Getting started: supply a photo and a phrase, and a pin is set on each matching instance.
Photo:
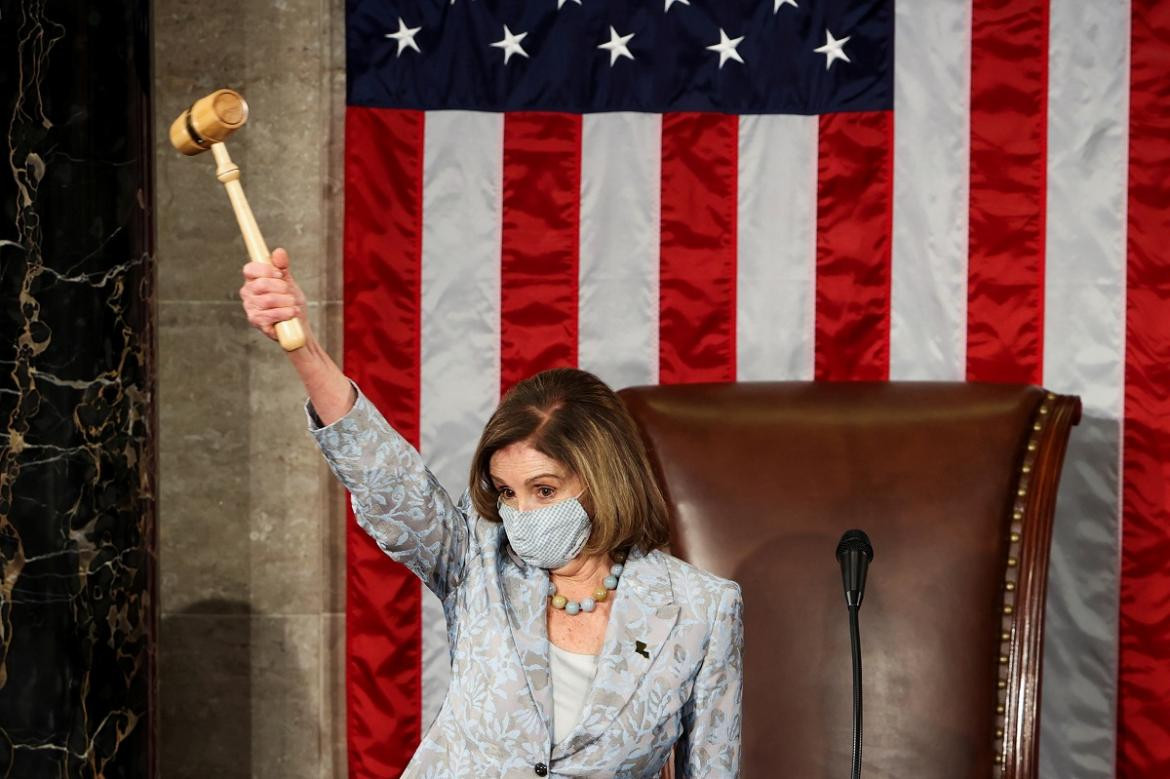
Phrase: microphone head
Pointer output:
(855, 541)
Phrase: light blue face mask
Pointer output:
(547, 537)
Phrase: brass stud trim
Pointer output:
(1011, 585)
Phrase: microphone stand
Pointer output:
(855, 645)
(854, 553)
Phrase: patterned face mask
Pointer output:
(547, 537)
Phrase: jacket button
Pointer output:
(541, 769)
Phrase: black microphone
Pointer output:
(854, 553)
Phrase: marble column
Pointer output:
(77, 464)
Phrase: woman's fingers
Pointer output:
(257, 288)
(261, 291)
(268, 300)
(268, 285)
(273, 316)
(263, 301)
(262, 270)
(280, 259)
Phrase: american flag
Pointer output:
(735, 190)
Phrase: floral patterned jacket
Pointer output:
(670, 669)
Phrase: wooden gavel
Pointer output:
(206, 125)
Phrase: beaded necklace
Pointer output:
(572, 607)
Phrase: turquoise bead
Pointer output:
(616, 569)
(610, 582)
(587, 605)
(572, 607)
(552, 589)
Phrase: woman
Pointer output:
(579, 648)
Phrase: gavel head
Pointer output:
(210, 120)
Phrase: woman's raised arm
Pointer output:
(395, 498)
(270, 294)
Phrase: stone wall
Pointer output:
(251, 523)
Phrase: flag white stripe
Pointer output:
(460, 372)
(932, 85)
(1084, 354)
(776, 270)
(618, 290)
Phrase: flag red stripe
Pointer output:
(539, 244)
(1008, 190)
(697, 273)
(1143, 748)
(383, 232)
(854, 221)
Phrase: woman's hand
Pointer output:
(270, 295)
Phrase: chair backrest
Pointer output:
(955, 485)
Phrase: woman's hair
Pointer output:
(572, 417)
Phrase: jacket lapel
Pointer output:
(525, 598)
(644, 612)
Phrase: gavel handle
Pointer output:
(290, 333)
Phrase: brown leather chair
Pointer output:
(955, 485)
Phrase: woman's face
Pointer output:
(527, 479)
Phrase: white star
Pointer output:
(775, 8)
(405, 37)
(726, 48)
(511, 44)
(833, 49)
(561, 3)
(617, 47)
(669, 3)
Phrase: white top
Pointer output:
(572, 673)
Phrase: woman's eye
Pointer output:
(505, 493)
(545, 492)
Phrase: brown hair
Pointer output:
(574, 418)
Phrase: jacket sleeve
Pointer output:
(395, 498)
(709, 746)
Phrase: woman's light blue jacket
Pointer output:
(670, 669)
